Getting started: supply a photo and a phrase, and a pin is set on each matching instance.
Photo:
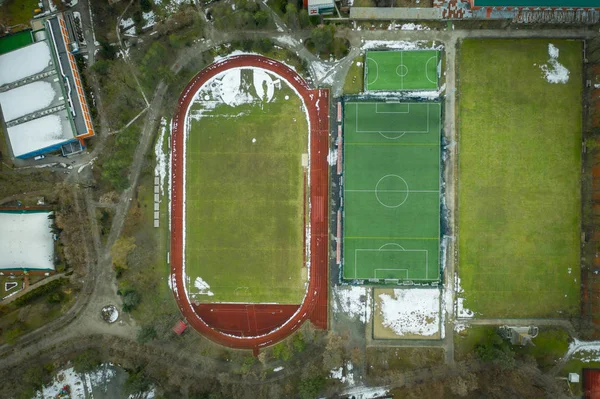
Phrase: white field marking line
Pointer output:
(389, 112)
(377, 71)
(402, 132)
(407, 191)
(391, 250)
(392, 243)
(392, 191)
(402, 75)
(427, 69)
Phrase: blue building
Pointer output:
(42, 101)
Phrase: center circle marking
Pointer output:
(402, 70)
(394, 185)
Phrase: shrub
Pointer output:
(130, 299)
(146, 334)
(51, 287)
(282, 352)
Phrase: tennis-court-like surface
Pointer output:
(391, 191)
(401, 70)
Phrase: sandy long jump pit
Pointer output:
(249, 233)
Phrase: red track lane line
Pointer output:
(317, 104)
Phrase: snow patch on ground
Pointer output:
(337, 374)
(553, 71)
(363, 392)
(319, 70)
(125, 22)
(161, 158)
(230, 89)
(353, 301)
(260, 78)
(401, 45)
(411, 26)
(585, 351)
(407, 95)
(461, 311)
(170, 5)
(202, 286)
(344, 374)
(412, 311)
(129, 24)
(287, 41)
(78, 383)
(149, 19)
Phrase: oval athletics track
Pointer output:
(314, 305)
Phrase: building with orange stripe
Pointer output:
(42, 98)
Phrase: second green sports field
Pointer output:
(391, 191)
(520, 178)
(401, 70)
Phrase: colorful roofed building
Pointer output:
(42, 100)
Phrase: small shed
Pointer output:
(179, 327)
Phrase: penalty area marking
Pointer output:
(427, 69)
(381, 132)
(376, 71)
(380, 250)
(377, 111)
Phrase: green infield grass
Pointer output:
(245, 196)
(391, 191)
(519, 178)
(402, 70)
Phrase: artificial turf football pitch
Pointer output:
(401, 70)
(245, 198)
(391, 191)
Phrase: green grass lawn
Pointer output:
(148, 271)
(551, 344)
(16, 12)
(245, 195)
(355, 78)
(519, 181)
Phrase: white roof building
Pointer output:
(26, 241)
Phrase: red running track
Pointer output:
(262, 330)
